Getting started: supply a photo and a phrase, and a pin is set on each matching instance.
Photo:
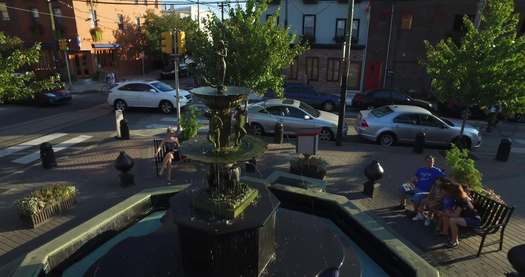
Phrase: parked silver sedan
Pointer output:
(296, 116)
(400, 123)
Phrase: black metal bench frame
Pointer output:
(494, 217)
(157, 159)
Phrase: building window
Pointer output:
(120, 22)
(355, 30)
(145, 2)
(312, 68)
(293, 70)
(406, 22)
(35, 13)
(333, 69)
(3, 12)
(136, 2)
(309, 26)
(355, 75)
(340, 28)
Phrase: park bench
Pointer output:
(494, 218)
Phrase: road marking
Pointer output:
(59, 147)
(29, 144)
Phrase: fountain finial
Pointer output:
(222, 53)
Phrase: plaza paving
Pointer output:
(91, 169)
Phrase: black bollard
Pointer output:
(124, 163)
(279, 133)
(47, 155)
(373, 172)
(124, 129)
(419, 143)
(504, 148)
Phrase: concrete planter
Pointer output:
(36, 219)
(311, 171)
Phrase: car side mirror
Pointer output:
(307, 117)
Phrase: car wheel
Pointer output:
(166, 107)
(520, 117)
(120, 105)
(257, 129)
(328, 106)
(387, 139)
(326, 135)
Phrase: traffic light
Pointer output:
(181, 43)
(166, 42)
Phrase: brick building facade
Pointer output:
(89, 27)
(413, 22)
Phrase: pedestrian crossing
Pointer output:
(25, 154)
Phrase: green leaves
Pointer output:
(486, 67)
(17, 79)
(463, 168)
(258, 51)
(190, 124)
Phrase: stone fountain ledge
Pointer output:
(386, 249)
(113, 220)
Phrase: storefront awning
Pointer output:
(105, 45)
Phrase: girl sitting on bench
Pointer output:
(171, 142)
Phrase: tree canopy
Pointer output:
(257, 51)
(487, 66)
(154, 25)
(17, 77)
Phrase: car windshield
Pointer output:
(309, 109)
(381, 111)
(162, 86)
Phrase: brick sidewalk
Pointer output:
(97, 180)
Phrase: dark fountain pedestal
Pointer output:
(213, 246)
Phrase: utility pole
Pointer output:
(346, 75)
(52, 16)
(481, 7)
(176, 63)
(198, 14)
(286, 14)
(388, 44)
(221, 5)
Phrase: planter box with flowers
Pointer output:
(313, 167)
(45, 202)
(464, 171)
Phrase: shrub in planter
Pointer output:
(314, 167)
(45, 202)
(189, 124)
(463, 168)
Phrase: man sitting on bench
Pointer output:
(420, 185)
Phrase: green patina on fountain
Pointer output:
(226, 144)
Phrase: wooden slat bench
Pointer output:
(494, 218)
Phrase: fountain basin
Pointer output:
(199, 149)
(394, 258)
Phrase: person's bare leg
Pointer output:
(167, 159)
(445, 224)
(454, 222)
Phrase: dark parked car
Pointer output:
(309, 95)
(53, 97)
(382, 97)
(455, 110)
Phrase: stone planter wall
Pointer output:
(35, 220)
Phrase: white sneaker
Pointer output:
(427, 222)
(419, 216)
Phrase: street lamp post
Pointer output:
(346, 75)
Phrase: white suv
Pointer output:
(147, 94)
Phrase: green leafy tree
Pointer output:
(154, 25)
(257, 51)
(486, 67)
(17, 78)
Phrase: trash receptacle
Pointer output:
(419, 143)
(279, 133)
(504, 148)
(47, 155)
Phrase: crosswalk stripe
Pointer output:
(59, 147)
(29, 144)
